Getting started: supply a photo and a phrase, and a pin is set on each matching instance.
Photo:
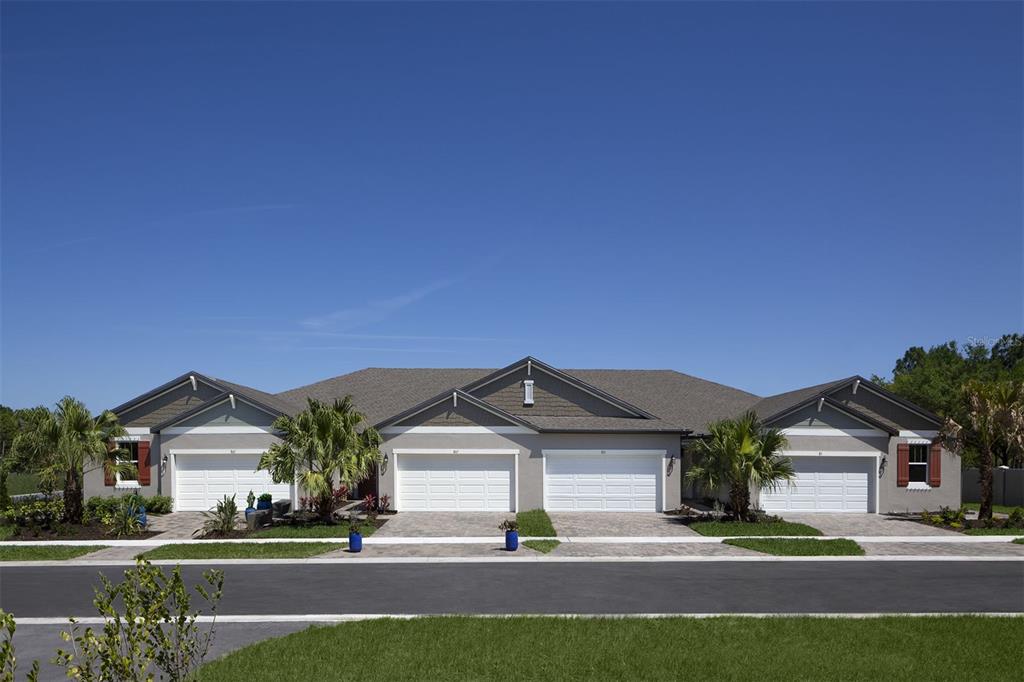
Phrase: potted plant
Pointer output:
(250, 503)
(265, 501)
(355, 538)
(137, 502)
(511, 528)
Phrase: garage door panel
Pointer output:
(602, 482)
(201, 480)
(463, 482)
(832, 484)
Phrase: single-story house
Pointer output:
(530, 435)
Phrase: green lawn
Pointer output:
(6, 532)
(994, 531)
(21, 484)
(542, 546)
(1019, 541)
(466, 648)
(998, 508)
(728, 528)
(799, 547)
(44, 552)
(242, 550)
(339, 530)
(535, 524)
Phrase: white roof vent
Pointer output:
(528, 392)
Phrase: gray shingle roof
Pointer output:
(592, 424)
(681, 402)
(772, 405)
(276, 402)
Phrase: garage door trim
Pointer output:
(510, 452)
(660, 454)
(876, 455)
(174, 452)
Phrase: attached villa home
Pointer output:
(530, 436)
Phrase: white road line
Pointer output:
(353, 617)
(524, 559)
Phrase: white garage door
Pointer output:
(602, 482)
(201, 481)
(463, 482)
(825, 484)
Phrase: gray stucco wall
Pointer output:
(904, 500)
(530, 446)
(94, 486)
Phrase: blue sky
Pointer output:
(765, 195)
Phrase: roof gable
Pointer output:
(560, 393)
(172, 398)
(193, 417)
(450, 408)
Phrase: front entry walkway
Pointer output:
(615, 524)
(845, 525)
(443, 524)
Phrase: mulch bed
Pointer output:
(89, 531)
(245, 533)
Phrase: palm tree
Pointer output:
(994, 419)
(320, 444)
(743, 455)
(67, 440)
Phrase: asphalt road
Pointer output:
(561, 588)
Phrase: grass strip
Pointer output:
(46, 552)
(798, 547)
(734, 528)
(542, 546)
(338, 530)
(994, 531)
(242, 550)
(484, 649)
(997, 508)
(535, 523)
(1019, 541)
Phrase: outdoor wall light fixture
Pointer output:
(384, 464)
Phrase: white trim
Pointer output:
(455, 451)
(181, 430)
(137, 430)
(127, 485)
(919, 434)
(389, 430)
(515, 473)
(129, 439)
(918, 485)
(217, 451)
(605, 452)
(811, 431)
(830, 453)
(878, 481)
(664, 482)
(918, 441)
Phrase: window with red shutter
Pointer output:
(902, 464)
(935, 465)
(143, 463)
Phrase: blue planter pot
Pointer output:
(264, 504)
(249, 511)
(141, 516)
(355, 542)
(511, 540)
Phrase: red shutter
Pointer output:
(108, 476)
(143, 462)
(902, 464)
(935, 465)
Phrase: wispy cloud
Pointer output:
(373, 311)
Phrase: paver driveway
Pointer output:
(615, 524)
(864, 524)
(444, 524)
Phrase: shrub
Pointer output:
(125, 518)
(325, 506)
(266, 497)
(948, 516)
(102, 509)
(8, 661)
(384, 503)
(1016, 518)
(37, 514)
(159, 504)
(509, 524)
(148, 622)
(221, 519)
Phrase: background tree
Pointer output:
(743, 455)
(933, 378)
(320, 445)
(65, 442)
(994, 421)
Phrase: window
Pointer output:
(130, 455)
(919, 464)
(528, 392)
